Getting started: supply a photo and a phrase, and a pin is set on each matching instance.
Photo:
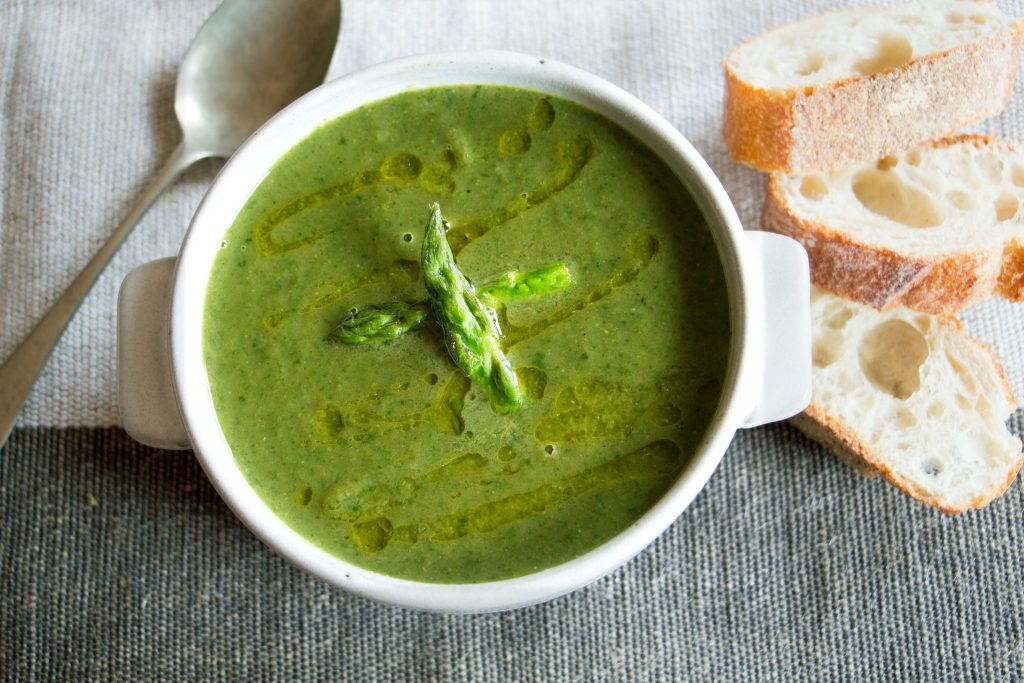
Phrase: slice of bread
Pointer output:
(913, 397)
(858, 84)
(935, 228)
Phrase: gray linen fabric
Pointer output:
(119, 562)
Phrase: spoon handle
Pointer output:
(20, 371)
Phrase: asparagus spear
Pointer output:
(378, 324)
(381, 323)
(522, 285)
(470, 329)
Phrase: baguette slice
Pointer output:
(913, 397)
(858, 84)
(933, 229)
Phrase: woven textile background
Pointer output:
(119, 562)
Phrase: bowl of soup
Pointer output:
(382, 465)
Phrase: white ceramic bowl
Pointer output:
(768, 377)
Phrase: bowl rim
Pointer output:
(250, 164)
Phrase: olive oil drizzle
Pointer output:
(573, 153)
(444, 413)
(400, 272)
(399, 167)
(348, 504)
(658, 460)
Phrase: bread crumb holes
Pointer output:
(838, 318)
(891, 355)
(931, 466)
(885, 163)
(906, 419)
(811, 65)
(962, 373)
(825, 350)
(883, 193)
(961, 200)
(1017, 175)
(1006, 207)
(891, 51)
(813, 187)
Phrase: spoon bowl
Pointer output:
(266, 53)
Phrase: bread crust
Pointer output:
(883, 278)
(824, 127)
(758, 124)
(1011, 273)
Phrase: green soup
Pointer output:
(386, 455)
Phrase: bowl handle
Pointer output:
(145, 384)
(786, 328)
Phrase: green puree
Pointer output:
(385, 454)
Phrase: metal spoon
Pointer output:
(249, 60)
